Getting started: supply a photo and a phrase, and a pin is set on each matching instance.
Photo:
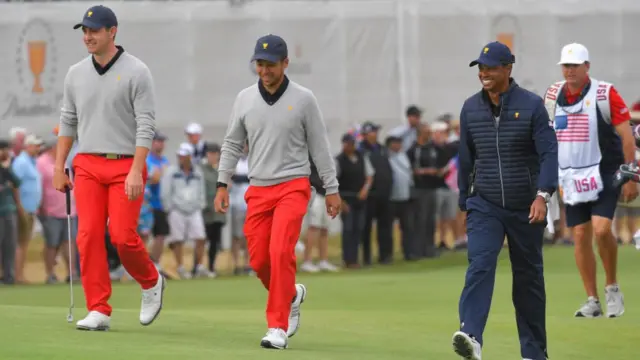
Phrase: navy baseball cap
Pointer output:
(212, 147)
(413, 110)
(98, 17)
(270, 48)
(159, 136)
(494, 54)
(368, 127)
(393, 138)
(348, 138)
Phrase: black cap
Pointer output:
(4, 144)
(348, 138)
(159, 136)
(211, 147)
(447, 117)
(270, 48)
(368, 127)
(494, 54)
(392, 138)
(414, 110)
(98, 17)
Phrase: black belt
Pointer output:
(113, 156)
(240, 179)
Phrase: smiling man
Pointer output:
(594, 138)
(109, 107)
(508, 171)
(282, 123)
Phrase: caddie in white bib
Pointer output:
(587, 115)
(576, 128)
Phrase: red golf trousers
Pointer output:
(100, 194)
(272, 228)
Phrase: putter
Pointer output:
(71, 261)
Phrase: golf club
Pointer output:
(71, 242)
(626, 173)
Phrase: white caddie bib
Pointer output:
(579, 154)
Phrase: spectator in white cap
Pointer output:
(16, 138)
(446, 198)
(24, 167)
(198, 146)
(183, 195)
(238, 205)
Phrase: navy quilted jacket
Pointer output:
(506, 161)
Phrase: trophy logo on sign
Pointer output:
(506, 38)
(34, 95)
(37, 52)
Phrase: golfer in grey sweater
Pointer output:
(109, 107)
(283, 125)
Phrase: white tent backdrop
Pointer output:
(364, 60)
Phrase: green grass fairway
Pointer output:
(406, 311)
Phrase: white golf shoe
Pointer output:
(275, 339)
(466, 346)
(615, 301)
(590, 309)
(294, 315)
(152, 302)
(94, 321)
(309, 267)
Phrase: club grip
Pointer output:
(68, 193)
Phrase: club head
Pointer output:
(626, 173)
(620, 179)
(69, 318)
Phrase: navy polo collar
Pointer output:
(273, 98)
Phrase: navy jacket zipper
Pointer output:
(496, 122)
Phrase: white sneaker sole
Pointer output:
(463, 347)
(99, 328)
(593, 315)
(612, 315)
(164, 285)
(304, 296)
(615, 315)
(269, 345)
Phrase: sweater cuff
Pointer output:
(331, 190)
(67, 130)
(224, 177)
(142, 142)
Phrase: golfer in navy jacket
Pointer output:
(508, 171)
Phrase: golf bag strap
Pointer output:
(603, 100)
(551, 99)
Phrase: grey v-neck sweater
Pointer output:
(109, 113)
(281, 137)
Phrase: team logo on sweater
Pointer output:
(35, 92)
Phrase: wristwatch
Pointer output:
(220, 185)
(545, 195)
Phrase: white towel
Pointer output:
(553, 213)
